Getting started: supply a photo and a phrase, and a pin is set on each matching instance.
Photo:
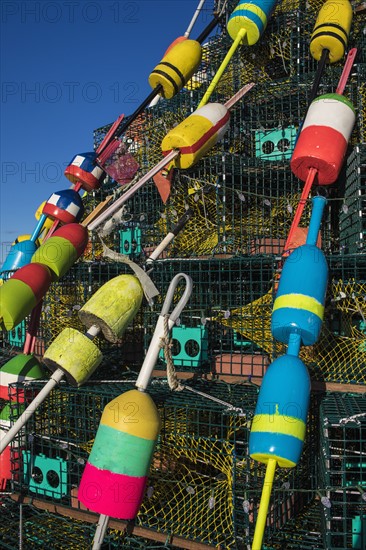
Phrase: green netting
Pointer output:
(202, 484)
(343, 470)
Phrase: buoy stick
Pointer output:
(236, 97)
(128, 121)
(32, 329)
(300, 207)
(156, 91)
(319, 73)
(222, 67)
(210, 27)
(346, 71)
(264, 503)
(194, 18)
(100, 531)
(150, 362)
(26, 415)
(109, 211)
(38, 229)
(38, 400)
(170, 236)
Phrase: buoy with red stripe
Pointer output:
(27, 286)
(197, 134)
(323, 140)
(9, 458)
(61, 251)
(65, 206)
(85, 172)
(22, 292)
(19, 369)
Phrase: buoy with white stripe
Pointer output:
(197, 134)
(19, 369)
(65, 206)
(322, 143)
(190, 140)
(83, 171)
(9, 459)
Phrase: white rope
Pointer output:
(353, 418)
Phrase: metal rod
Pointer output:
(109, 211)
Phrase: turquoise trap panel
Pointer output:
(45, 476)
(130, 241)
(189, 346)
(275, 144)
(359, 532)
(17, 335)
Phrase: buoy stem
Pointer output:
(315, 219)
(236, 97)
(38, 228)
(170, 236)
(319, 73)
(92, 332)
(300, 208)
(30, 339)
(207, 31)
(128, 121)
(100, 531)
(27, 414)
(264, 503)
(221, 69)
(109, 211)
(294, 344)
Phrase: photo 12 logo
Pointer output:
(71, 12)
(69, 92)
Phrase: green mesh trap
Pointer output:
(202, 485)
(203, 488)
(353, 211)
(343, 471)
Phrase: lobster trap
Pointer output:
(353, 211)
(343, 471)
(202, 485)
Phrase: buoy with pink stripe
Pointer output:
(21, 368)
(197, 134)
(324, 137)
(115, 476)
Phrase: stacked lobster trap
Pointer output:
(238, 203)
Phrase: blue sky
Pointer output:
(68, 67)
